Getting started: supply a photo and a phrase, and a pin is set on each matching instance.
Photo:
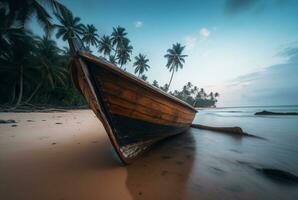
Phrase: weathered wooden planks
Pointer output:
(124, 97)
(134, 114)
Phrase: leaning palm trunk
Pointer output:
(34, 92)
(20, 87)
(170, 80)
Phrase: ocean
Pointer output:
(245, 167)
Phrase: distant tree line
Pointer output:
(192, 95)
(34, 70)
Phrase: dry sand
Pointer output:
(68, 155)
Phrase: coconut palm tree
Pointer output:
(69, 26)
(165, 87)
(175, 59)
(66, 53)
(155, 83)
(194, 90)
(15, 63)
(112, 59)
(47, 60)
(25, 9)
(203, 94)
(144, 77)
(140, 64)
(211, 96)
(123, 49)
(123, 53)
(90, 35)
(118, 37)
(105, 45)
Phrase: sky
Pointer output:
(247, 50)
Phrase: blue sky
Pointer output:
(226, 42)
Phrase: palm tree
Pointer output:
(141, 64)
(15, 63)
(175, 59)
(90, 36)
(165, 87)
(47, 64)
(121, 43)
(118, 37)
(25, 9)
(211, 95)
(194, 90)
(123, 53)
(144, 77)
(105, 45)
(202, 93)
(69, 26)
(112, 59)
(189, 85)
(155, 83)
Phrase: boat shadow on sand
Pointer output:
(162, 172)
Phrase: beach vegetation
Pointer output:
(34, 68)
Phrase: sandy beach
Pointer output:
(67, 155)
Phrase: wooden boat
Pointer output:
(135, 114)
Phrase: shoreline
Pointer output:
(67, 155)
(41, 108)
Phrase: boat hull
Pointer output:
(135, 114)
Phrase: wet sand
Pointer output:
(68, 156)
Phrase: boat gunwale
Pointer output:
(113, 68)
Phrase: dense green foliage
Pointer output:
(192, 95)
(34, 70)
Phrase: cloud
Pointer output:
(190, 42)
(138, 24)
(205, 32)
(275, 85)
(236, 6)
(291, 53)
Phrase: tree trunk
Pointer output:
(170, 80)
(194, 104)
(34, 92)
(21, 86)
(13, 95)
(115, 54)
(196, 99)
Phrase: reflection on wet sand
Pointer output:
(163, 172)
(40, 159)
